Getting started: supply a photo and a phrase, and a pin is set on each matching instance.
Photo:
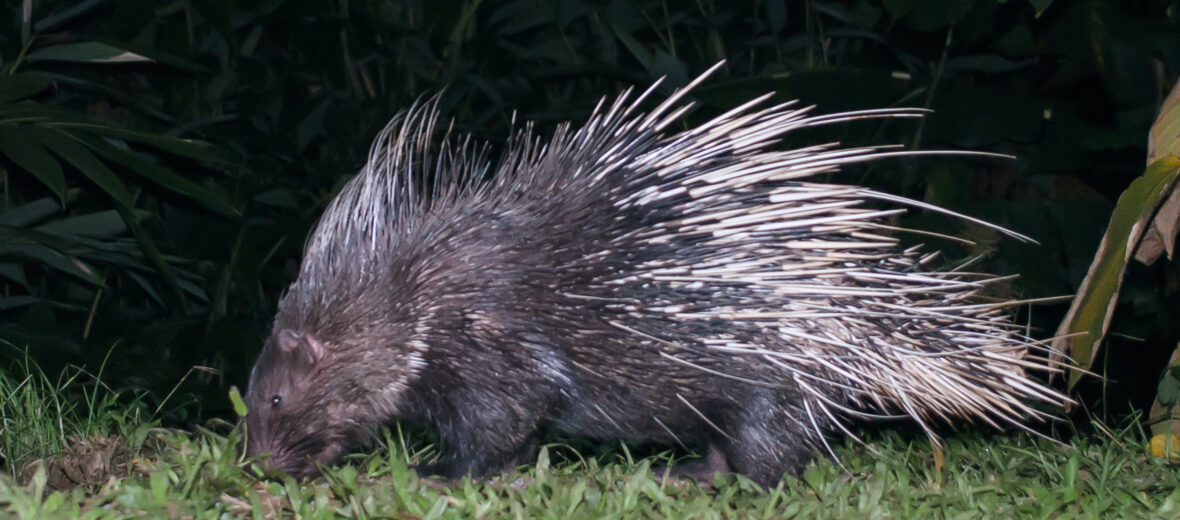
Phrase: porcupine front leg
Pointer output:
(482, 436)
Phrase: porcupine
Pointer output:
(621, 281)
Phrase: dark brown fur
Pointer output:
(591, 289)
(508, 360)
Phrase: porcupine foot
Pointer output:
(699, 470)
(761, 441)
(766, 442)
(766, 472)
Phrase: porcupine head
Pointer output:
(624, 281)
(341, 350)
(317, 391)
(381, 273)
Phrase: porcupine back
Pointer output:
(673, 260)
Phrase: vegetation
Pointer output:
(161, 163)
(144, 470)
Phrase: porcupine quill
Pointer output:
(624, 281)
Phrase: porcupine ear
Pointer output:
(291, 342)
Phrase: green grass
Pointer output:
(39, 415)
(161, 473)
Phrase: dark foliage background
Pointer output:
(152, 210)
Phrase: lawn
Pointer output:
(74, 449)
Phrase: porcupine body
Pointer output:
(624, 281)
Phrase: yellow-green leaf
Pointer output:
(1086, 323)
(235, 398)
(1163, 140)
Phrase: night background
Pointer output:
(161, 163)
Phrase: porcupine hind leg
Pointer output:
(765, 441)
(699, 470)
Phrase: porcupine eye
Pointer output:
(274, 401)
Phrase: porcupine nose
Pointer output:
(271, 464)
(270, 461)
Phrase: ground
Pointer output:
(73, 449)
(200, 475)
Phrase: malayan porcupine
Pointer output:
(623, 281)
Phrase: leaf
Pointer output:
(1040, 5)
(831, 90)
(928, 15)
(17, 238)
(1168, 389)
(15, 87)
(48, 22)
(15, 302)
(36, 113)
(30, 213)
(21, 145)
(776, 15)
(146, 286)
(98, 224)
(987, 63)
(1165, 410)
(161, 176)
(666, 65)
(14, 272)
(312, 125)
(53, 259)
(149, 249)
(1161, 237)
(158, 483)
(218, 13)
(1086, 323)
(86, 52)
(235, 398)
(80, 157)
(68, 148)
(1163, 140)
(116, 96)
(155, 55)
(637, 50)
(195, 290)
(200, 150)
(279, 197)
